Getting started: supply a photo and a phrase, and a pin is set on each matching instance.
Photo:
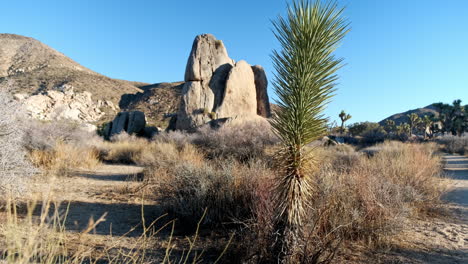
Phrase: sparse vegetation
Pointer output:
(454, 144)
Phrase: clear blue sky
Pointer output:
(400, 54)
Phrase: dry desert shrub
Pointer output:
(43, 239)
(357, 198)
(43, 135)
(243, 141)
(15, 168)
(454, 144)
(227, 189)
(63, 158)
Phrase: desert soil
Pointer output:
(117, 192)
(442, 239)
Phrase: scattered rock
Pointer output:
(65, 104)
(119, 124)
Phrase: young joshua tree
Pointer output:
(344, 117)
(304, 82)
(413, 121)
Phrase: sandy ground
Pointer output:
(117, 192)
(442, 240)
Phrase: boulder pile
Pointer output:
(132, 123)
(218, 88)
(63, 104)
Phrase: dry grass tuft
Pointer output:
(64, 158)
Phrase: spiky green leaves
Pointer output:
(304, 82)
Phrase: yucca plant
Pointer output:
(304, 81)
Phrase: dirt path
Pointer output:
(118, 193)
(442, 240)
(113, 191)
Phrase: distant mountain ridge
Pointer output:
(403, 118)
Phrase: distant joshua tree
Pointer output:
(344, 117)
(427, 121)
(404, 129)
(305, 80)
(454, 118)
(390, 126)
(413, 121)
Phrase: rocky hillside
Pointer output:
(402, 117)
(157, 101)
(53, 86)
(28, 66)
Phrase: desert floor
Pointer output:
(117, 194)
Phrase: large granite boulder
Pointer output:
(240, 98)
(217, 87)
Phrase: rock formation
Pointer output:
(218, 88)
(63, 104)
(133, 123)
(261, 85)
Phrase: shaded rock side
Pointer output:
(133, 123)
(119, 124)
(261, 86)
(136, 122)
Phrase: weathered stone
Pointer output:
(136, 122)
(120, 123)
(56, 105)
(261, 86)
(206, 56)
(195, 99)
(216, 88)
(240, 99)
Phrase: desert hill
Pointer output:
(155, 101)
(29, 66)
(402, 117)
(53, 86)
